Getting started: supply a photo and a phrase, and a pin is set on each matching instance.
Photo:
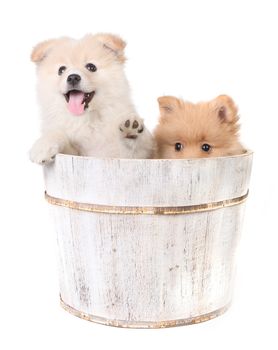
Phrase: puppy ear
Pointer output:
(114, 44)
(168, 105)
(41, 50)
(226, 109)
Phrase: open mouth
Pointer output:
(78, 100)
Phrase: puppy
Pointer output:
(207, 129)
(85, 101)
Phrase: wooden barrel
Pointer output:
(147, 243)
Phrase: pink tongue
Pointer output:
(75, 103)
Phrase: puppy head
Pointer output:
(77, 76)
(188, 130)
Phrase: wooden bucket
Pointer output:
(147, 243)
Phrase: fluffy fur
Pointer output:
(213, 123)
(102, 129)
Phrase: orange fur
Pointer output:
(214, 123)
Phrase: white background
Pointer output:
(194, 49)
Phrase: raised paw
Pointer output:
(42, 152)
(132, 127)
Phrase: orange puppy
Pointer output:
(205, 129)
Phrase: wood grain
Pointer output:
(141, 268)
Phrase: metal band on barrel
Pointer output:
(142, 324)
(109, 209)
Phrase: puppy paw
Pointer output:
(131, 128)
(43, 152)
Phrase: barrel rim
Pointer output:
(247, 153)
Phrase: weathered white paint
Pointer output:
(140, 269)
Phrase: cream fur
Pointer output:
(97, 131)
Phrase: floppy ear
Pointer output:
(41, 50)
(168, 105)
(113, 43)
(226, 109)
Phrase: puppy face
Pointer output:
(77, 76)
(188, 130)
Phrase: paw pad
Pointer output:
(132, 127)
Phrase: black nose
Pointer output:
(73, 79)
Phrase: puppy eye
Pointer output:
(61, 70)
(178, 146)
(91, 67)
(206, 147)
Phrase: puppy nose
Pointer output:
(73, 79)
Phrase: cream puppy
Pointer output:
(85, 101)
